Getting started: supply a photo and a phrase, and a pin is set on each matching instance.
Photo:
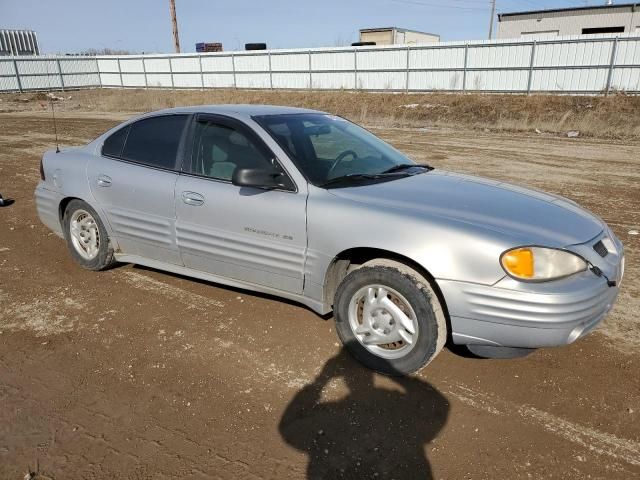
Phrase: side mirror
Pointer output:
(265, 178)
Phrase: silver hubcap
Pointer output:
(85, 235)
(383, 321)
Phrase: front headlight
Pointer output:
(539, 264)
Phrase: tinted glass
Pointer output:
(220, 149)
(154, 141)
(112, 146)
(325, 147)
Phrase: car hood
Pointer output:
(533, 217)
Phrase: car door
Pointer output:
(133, 180)
(242, 233)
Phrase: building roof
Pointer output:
(569, 9)
(384, 29)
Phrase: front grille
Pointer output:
(601, 249)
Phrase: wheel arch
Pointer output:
(62, 207)
(347, 260)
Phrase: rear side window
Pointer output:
(112, 146)
(155, 141)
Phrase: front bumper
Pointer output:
(531, 315)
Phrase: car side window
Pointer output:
(155, 141)
(219, 150)
(112, 146)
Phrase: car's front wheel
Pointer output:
(389, 318)
(86, 236)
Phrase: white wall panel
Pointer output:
(8, 83)
(497, 80)
(436, 57)
(499, 56)
(159, 80)
(290, 61)
(217, 64)
(107, 65)
(382, 59)
(577, 80)
(45, 82)
(628, 53)
(217, 80)
(186, 80)
(252, 80)
(252, 63)
(131, 65)
(330, 80)
(133, 79)
(81, 80)
(185, 65)
(153, 65)
(573, 53)
(382, 80)
(626, 79)
(332, 61)
(110, 79)
(78, 66)
(290, 80)
(435, 80)
(27, 67)
(6, 67)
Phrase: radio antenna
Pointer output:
(51, 95)
(53, 115)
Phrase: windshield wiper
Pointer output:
(405, 166)
(351, 177)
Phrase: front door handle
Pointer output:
(104, 181)
(192, 198)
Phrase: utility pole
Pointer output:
(493, 12)
(176, 38)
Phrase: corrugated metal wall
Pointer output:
(568, 65)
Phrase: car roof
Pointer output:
(239, 109)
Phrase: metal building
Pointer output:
(396, 36)
(609, 18)
(18, 42)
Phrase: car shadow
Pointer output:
(372, 432)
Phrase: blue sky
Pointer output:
(144, 25)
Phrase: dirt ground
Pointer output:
(135, 373)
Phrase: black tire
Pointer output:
(105, 257)
(432, 328)
(255, 46)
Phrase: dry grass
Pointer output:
(615, 116)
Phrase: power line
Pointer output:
(438, 5)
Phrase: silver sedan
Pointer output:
(311, 207)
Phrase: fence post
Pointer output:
(15, 67)
(171, 73)
(270, 72)
(60, 74)
(355, 68)
(120, 73)
(614, 50)
(464, 71)
(406, 84)
(201, 74)
(531, 62)
(310, 79)
(233, 66)
(144, 71)
(98, 70)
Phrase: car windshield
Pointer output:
(331, 151)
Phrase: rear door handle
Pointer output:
(192, 198)
(104, 181)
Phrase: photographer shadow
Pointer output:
(372, 432)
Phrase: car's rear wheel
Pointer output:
(86, 236)
(389, 317)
